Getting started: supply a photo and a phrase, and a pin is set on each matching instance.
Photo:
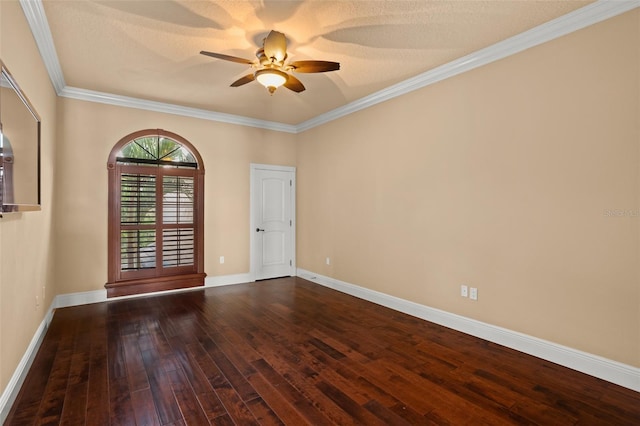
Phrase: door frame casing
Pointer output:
(253, 240)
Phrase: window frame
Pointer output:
(121, 283)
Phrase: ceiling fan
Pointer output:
(271, 70)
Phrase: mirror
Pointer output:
(19, 148)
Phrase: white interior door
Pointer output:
(272, 221)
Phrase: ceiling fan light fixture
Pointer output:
(271, 68)
(271, 78)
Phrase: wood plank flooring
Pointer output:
(291, 352)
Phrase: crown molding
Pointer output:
(581, 18)
(129, 102)
(37, 20)
(563, 25)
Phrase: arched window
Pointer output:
(156, 214)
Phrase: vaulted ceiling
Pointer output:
(149, 49)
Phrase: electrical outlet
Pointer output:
(328, 261)
(473, 293)
(464, 291)
(221, 260)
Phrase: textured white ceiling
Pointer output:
(149, 49)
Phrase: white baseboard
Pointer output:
(83, 298)
(97, 296)
(13, 387)
(602, 368)
(227, 280)
(606, 369)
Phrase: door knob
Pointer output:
(259, 230)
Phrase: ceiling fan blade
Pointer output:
(294, 84)
(275, 46)
(314, 66)
(227, 57)
(243, 80)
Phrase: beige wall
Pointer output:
(88, 131)
(26, 252)
(501, 179)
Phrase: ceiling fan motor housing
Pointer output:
(266, 61)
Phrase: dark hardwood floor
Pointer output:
(292, 352)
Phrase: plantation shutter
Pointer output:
(137, 221)
(156, 216)
(178, 233)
